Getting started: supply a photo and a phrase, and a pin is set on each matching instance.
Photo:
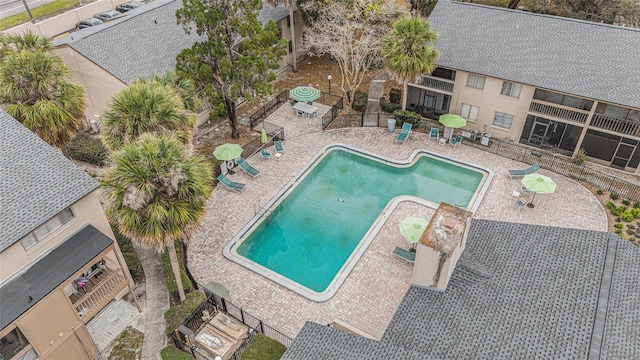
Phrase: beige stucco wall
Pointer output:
(99, 85)
(489, 100)
(86, 210)
(286, 34)
(425, 267)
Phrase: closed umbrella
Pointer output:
(227, 152)
(263, 137)
(412, 228)
(452, 121)
(539, 184)
(304, 93)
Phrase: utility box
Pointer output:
(485, 139)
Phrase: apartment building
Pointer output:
(59, 262)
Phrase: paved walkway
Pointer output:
(372, 114)
(112, 321)
(371, 293)
(156, 304)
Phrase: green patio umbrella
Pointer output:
(263, 137)
(227, 152)
(452, 120)
(304, 93)
(412, 228)
(539, 184)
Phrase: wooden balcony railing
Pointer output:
(557, 111)
(436, 83)
(620, 126)
(98, 295)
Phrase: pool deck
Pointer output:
(371, 293)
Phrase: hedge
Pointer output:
(85, 148)
(403, 116)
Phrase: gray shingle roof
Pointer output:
(49, 272)
(146, 43)
(36, 181)
(577, 57)
(518, 292)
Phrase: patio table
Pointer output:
(305, 108)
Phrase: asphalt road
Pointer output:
(12, 7)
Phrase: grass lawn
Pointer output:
(263, 348)
(41, 12)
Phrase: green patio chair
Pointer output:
(521, 173)
(231, 185)
(404, 133)
(405, 255)
(247, 168)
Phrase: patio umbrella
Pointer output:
(227, 152)
(412, 228)
(304, 93)
(539, 184)
(263, 137)
(452, 121)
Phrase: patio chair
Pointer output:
(265, 155)
(455, 142)
(278, 146)
(231, 185)
(521, 173)
(247, 168)
(434, 134)
(405, 255)
(520, 203)
(404, 133)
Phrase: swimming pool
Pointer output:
(306, 239)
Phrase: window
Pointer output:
(560, 99)
(288, 21)
(50, 226)
(15, 343)
(475, 81)
(280, 33)
(511, 89)
(444, 73)
(503, 120)
(469, 112)
(290, 47)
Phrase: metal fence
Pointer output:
(214, 304)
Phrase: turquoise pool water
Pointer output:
(312, 232)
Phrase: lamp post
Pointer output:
(329, 78)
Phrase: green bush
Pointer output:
(636, 213)
(85, 148)
(618, 226)
(395, 95)
(403, 116)
(636, 205)
(387, 106)
(360, 101)
(263, 348)
(600, 192)
(626, 202)
(180, 312)
(581, 156)
(173, 353)
(169, 279)
(614, 195)
(627, 216)
(619, 232)
(130, 255)
(630, 226)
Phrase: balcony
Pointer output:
(559, 111)
(99, 291)
(620, 126)
(436, 83)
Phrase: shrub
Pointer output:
(619, 232)
(395, 95)
(387, 106)
(614, 195)
(636, 205)
(636, 213)
(180, 312)
(85, 148)
(403, 116)
(618, 226)
(173, 353)
(130, 255)
(360, 101)
(630, 226)
(600, 192)
(627, 216)
(581, 156)
(626, 202)
(630, 232)
(618, 219)
(263, 348)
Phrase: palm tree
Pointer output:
(145, 107)
(35, 91)
(290, 4)
(408, 51)
(157, 193)
(27, 41)
(184, 88)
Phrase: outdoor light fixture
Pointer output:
(329, 78)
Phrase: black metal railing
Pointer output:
(268, 109)
(214, 304)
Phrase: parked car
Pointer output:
(107, 15)
(88, 23)
(129, 5)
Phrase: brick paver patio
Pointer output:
(373, 290)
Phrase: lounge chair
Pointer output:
(278, 146)
(520, 203)
(247, 168)
(520, 173)
(404, 133)
(455, 142)
(405, 255)
(434, 134)
(265, 154)
(231, 185)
